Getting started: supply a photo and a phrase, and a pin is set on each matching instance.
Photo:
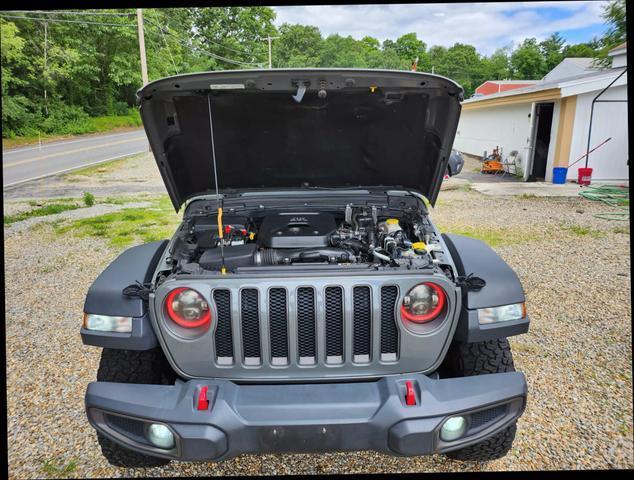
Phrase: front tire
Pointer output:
(481, 358)
(132, 366)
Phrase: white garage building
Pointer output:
(547, 123)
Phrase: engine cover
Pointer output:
(296, 230)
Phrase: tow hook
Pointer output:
(410, 395)
(203, 402)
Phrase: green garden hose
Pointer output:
(615, 196)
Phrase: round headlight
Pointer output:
(423, 303)
(187, 308)
(160, 436)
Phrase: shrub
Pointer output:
(89, 199)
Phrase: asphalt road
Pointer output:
(28, 163)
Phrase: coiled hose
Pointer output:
(615, 196)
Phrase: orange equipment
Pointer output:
(492, 163)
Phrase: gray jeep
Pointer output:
(306, 303)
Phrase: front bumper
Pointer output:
(306, 417)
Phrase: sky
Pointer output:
(487, 26)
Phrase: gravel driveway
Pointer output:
(577, 356)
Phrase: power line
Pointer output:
(58, 20)
(66, 12)
(213, 55)
(167, 45)
(243, 52)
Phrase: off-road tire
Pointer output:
(481, 358)
(132, 366)
(492, 448)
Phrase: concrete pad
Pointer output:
(539, 189)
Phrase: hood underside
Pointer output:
(278, 129)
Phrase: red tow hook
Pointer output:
(410, 396)
(203, 403)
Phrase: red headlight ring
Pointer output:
(177, 318)
(428, 316)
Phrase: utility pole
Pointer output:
(139, 20)
(269, 38)
(45, 67)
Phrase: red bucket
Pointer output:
(585, 176)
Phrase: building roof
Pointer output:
(585, 82)
(511, 82)
(617, 50)
(570, 67)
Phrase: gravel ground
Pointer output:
(577, 356)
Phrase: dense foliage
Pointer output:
(60, 73)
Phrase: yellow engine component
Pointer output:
(419, 246)
(392, 221)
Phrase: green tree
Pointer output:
(408, 47)
(527, 61)
(498, 65)
(297, 46)
(614, 16)
(552, 51)
(237, 33)
(588, 49)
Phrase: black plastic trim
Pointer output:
(141, 338)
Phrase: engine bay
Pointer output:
(355, 234)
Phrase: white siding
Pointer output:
(485, 128)
(609, 162)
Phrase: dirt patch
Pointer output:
(128, 176)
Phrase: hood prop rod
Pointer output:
(219, 202)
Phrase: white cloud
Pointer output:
(487, 26)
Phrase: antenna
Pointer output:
(223, 269)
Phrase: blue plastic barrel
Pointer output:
(559, 175)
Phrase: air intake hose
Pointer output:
(277, 256)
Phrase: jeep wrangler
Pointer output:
(306, 302)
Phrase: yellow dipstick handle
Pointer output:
(220, 233)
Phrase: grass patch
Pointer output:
(90, 125)
(54, 469)
(582, 231)
(492, 237)
(625, 230)
(128, 226)
(527, 196)
(49, 209)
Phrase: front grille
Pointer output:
(282, 326)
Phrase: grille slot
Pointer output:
(334, 324)
(484, 417)
(306, 328)
(278, 324)
(361, 324)
(389, 331)
(250, 316)
(224, 337)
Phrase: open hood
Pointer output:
(299, 128)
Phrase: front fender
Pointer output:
(105, 297)
(503, 287)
